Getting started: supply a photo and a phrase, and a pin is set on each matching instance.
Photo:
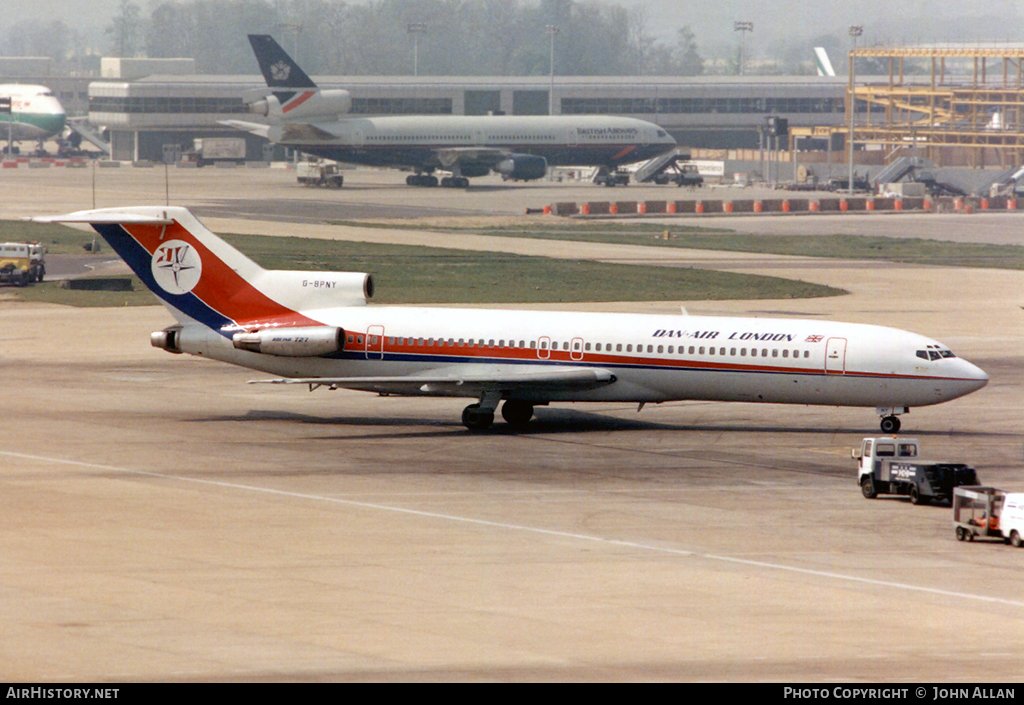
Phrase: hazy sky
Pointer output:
(884, 21)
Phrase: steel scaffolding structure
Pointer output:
(961, 110)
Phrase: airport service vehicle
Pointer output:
(211, 150)
(322, 174)
(892, 465)
(302, 116)
(35, 114)
(684, 175)
(990, 513)
(22, 263)
(317, 329)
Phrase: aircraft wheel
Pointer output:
(867, 488)
(461, 182)
(517, 413)
(446, 182)
(430, 181)
(412, 180)
(475, 419)
(890, 424)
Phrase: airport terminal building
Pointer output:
(154, 116)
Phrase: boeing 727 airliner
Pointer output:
(305, 117)
(316, 329)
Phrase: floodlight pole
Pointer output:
(855, 31)
(552, 30)
(742, 28)
(416, 29)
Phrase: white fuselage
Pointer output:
(653, 358)
(422, 141)
(35, 113)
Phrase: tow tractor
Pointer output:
(990, 513)
(891, 465)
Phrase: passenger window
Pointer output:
(660, 349)
(743, 352)
(721, 351)
(691, 350)
(671, 349)
(586, 347)
(785, 353)
(701, 350)
(775, 353)
(598, 347)
(629, 348)
(359, 340)
(618, 347)
(711, 351)
(732, 351)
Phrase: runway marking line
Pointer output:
(526, 529)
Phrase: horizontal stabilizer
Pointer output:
(107, 216)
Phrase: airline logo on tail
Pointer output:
(177, 267)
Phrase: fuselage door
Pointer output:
(835, 356)
(375, 343)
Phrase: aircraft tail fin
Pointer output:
(279, 69)
(822, 63)
(200, 277)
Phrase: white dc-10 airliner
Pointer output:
(314, 328)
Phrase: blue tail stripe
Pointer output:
(140, 261)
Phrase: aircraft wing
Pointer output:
(468, 381)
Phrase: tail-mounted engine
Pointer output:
(303, 105)
(311, 341)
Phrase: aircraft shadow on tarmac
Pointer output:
(550, 421)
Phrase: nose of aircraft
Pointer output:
(974, 377)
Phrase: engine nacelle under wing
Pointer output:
(304, 105)
(525, 167)
(311, 341)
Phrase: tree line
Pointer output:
(333, 37)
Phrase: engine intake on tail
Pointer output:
(320, 104)
(311, 341)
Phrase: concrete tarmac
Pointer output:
(162, 520)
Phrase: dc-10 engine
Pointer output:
(310, 341)
(304, 104)
(522, 167)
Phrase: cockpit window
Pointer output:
(934, 353)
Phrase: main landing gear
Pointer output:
(890, 422)
(430, 181)
(479, 417)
